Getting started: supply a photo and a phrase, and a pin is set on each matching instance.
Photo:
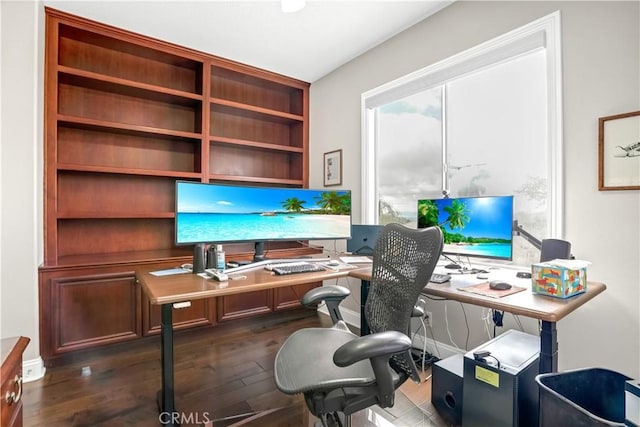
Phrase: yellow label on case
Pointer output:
(488, 376)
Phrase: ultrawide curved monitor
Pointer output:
(471, 226)
(214, 213)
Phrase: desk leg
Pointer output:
(548, 347)
(364, 294)
(167, 403)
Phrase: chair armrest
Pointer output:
(370, 346)
(332, 295)
(378, 348)
(323, 293)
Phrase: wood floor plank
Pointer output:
(223, 374)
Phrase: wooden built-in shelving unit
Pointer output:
(125, 117)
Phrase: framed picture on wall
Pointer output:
(619, 152)
(333, 168)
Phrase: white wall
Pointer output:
(601, 76)
(20, 171)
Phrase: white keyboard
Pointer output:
(269, 262)
(439, 278)
(294, 267)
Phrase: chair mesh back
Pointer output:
(403, 261)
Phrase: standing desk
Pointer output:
(548, 310)
(167, 290)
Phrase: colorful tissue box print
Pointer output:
(559, 282)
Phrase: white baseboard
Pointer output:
(437, 348)
(33, 370)
(350, 317)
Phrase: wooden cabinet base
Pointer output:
(88, 306)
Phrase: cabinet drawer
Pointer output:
(11, 377)
(11, 389)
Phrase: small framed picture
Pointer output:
(619, 152)
(333, 168)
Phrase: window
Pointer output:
(485, 122)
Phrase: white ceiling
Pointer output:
(306, 45)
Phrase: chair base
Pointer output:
(335, 419)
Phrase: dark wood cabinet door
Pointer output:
(287, 298)
(199, 313)
(244, 305)
(87, 310)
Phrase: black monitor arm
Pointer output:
(519, 231)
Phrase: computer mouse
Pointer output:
(499, 285)
(334, 262)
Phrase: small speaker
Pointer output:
(199, 258)
(446, 388)
(211, 256)
(554, 249)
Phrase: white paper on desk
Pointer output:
(169, 272)
(355, 259)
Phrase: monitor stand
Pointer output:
(453, 264)
(258, 254)
(456, 267)
(260, 258)
(365, 251)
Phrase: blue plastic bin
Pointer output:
(582, 398)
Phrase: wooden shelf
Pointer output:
(128, 108)
(255, 179)
(253, 144)
(114, 215)
(268, 92)
(109, 51)
(250, 111)
(126, 171)
(124, 129)
(126, 87)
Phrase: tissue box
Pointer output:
(559, 279)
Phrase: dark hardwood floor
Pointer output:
(223, 374)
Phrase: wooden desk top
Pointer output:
(524, 303)
(188, 286)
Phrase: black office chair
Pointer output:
(551, 249)
(341, 373)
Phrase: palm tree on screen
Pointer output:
(334, 202)
(458, 217)
(427, 214)
(293, 204)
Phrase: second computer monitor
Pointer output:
(472, 226)
(363, 239)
